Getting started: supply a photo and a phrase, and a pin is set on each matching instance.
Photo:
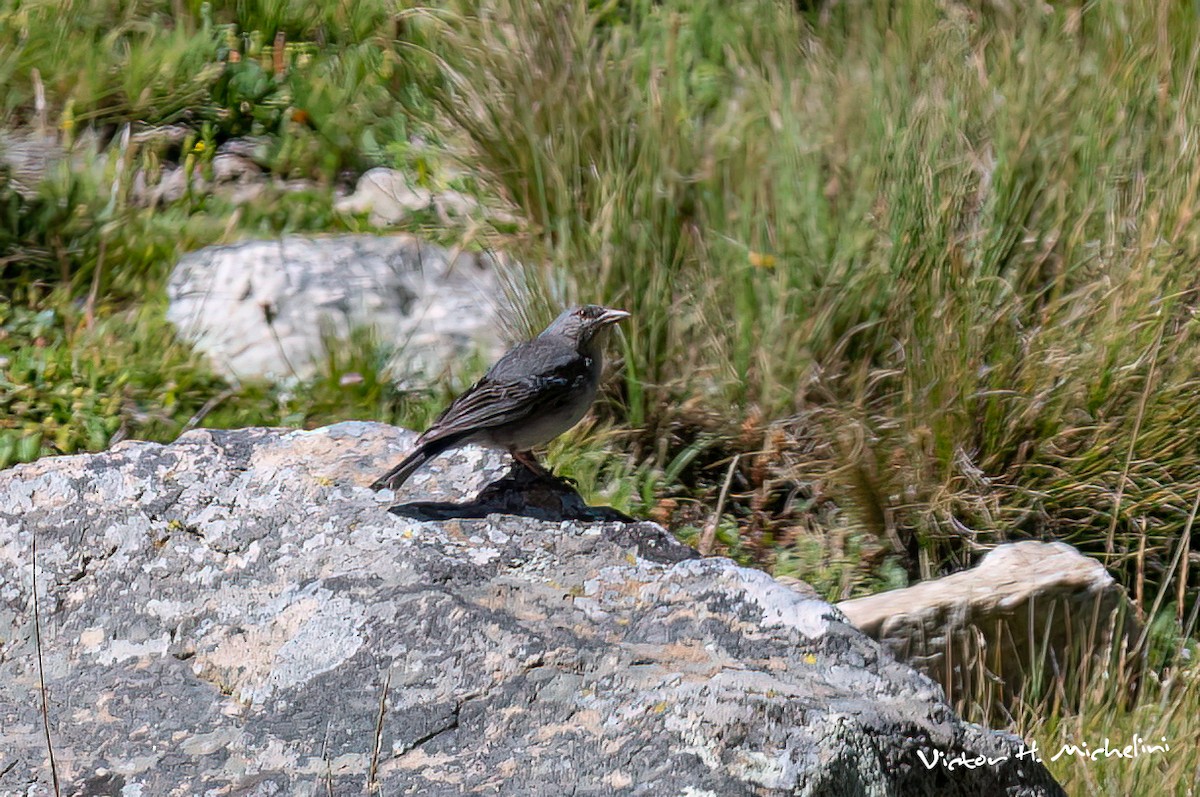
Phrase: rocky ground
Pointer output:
(237, 613)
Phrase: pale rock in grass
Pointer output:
(388, 197)
(267, 309)
(1026, 606)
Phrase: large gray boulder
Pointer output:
(235, 613)
(270, 309)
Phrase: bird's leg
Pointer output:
(530, 462)
(527, 459)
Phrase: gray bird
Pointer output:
(534, 393)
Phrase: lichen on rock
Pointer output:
(237, 613)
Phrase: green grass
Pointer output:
(943, 255)
(927, 267)
(322, 92)
(324, 80)
(68, 386)
(1155, 699)
(85, 233)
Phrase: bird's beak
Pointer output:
(612, 316)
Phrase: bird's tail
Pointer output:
(395, 477)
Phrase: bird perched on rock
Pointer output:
(534, 393)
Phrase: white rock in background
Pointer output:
(260, 308)
(1025, 604)
(387, 196)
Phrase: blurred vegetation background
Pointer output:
(908, 279)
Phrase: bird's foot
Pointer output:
(541, 473)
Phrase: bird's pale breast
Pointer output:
(544, 427)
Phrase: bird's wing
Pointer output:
(542, 356)
(534, 377)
